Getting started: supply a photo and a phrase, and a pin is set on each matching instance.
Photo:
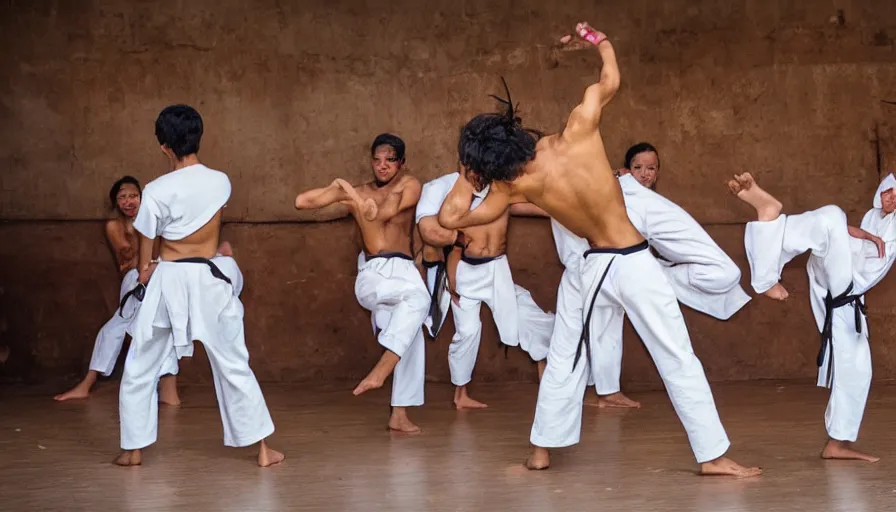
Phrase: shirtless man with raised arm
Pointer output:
(569, 176)
(388, 284)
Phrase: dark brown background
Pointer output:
(293, 92)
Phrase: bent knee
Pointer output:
(832, 215)
(718, 278)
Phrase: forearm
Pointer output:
(859, 233)
(320, 197)
(435, 235)
(609, 73)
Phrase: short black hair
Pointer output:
(637, 149)
(393, 141)
(496, 146)
(116, 187)
(179, 127)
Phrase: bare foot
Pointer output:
(267, 456)
(81, 390)
(129, 458)
(843, 450)
(777, 292)
(745, 188)
(540, 459)
(724, 466)
(399, 421)
(168, 391)
(463, 401)
(541, 366)
(618, 401)
(377, 376)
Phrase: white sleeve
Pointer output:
(148, 216)
(431, 198)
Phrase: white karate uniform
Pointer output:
(838, 264)
(631, 282)
(390, 287)
(111, 336)
(187, 301)
(702, 276)
(432, 195)
(519, 320)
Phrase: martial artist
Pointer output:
(568, 176)
(388, 283)
(191, 293)
(482, 275)
(844, 263)
(643, 162)
(121, 236)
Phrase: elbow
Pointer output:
(301, 203)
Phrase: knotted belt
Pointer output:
(827, 332)
(139, 291)
(441, 283)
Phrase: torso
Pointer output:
(488, 240)
(386, 235)
(126, 257)
(574, 183)
(202, 243)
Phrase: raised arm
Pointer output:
(586, 116)
(456, 213)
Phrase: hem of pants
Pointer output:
(388, 343)
(456, 382)
(762, 288)
(842, 438)
(241, 443)
(133, 446)
(101, 371)
(720, 451)
(544, 442)
(415, 404)
(607, 391)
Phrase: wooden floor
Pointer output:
(55, 456)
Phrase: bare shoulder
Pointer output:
(409, 181)
(114, 227)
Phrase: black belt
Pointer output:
(441, 282)
(138, 293)
(827, 334)
(585, 339)
(400, 255)
(211, 265)
(472, 260)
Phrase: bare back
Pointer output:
(488, 240)
(385, 235)
(571, 179)
(203, 243)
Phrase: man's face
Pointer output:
(128, 200)
(385, 164)
(888, 201)
(645, 167)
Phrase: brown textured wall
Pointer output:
(292, 93)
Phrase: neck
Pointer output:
(186, 161)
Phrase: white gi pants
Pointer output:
(631, 282)
(390, 287)
(193, 304)
(771, 245)
(110, 339)
(519, 320)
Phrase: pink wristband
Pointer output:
(591, 36)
